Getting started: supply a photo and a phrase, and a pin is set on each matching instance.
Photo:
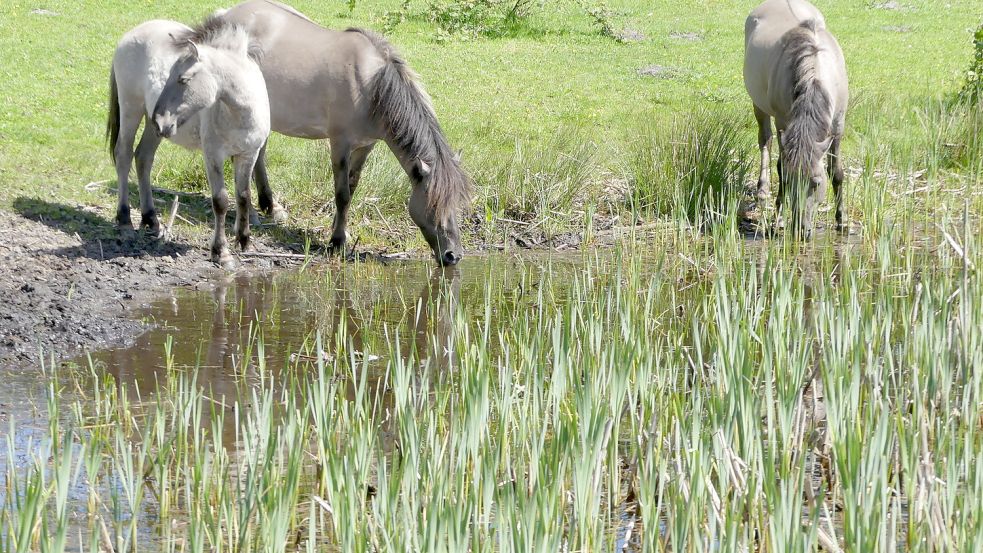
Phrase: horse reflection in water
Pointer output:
(219, 332)
(428, 321)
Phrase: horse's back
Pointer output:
(148, 40)
(141, 64)
(143, 58)
(314, 75)
(771, 19)
(763, 32)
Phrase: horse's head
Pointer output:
(804, 182)
(191, 86)
(439, 226)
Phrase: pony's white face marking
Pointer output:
(191, 86)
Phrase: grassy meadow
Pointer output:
(686, 390)
(555, 121)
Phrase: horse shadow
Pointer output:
(99, 236)
(101, 239)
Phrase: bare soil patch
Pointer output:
(67, 281)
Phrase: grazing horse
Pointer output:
(354, 89)
(200, 88)
(794, 71)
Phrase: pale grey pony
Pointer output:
(795, 72)
(354, 89)
(201, 89)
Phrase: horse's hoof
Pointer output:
(225, 261)
(126, 233)
(244, 243)
(336, 246)
(155, 232)
(279, 215)
(253, 217)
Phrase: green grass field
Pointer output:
(550, 114)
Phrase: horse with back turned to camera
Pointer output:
(794, 72)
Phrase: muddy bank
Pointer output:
(67, 281)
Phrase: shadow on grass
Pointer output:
(100, 239)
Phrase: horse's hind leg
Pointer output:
(146, 150)
(780, 197)
(129, 121)
(340, 160)
(356, 162)
(267, 202)
(244, 165)
(764, 145)
(835, 169)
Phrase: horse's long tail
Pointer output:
(811, 117)
(112, 123)
(401, 106)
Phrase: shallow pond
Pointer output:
(541, 399)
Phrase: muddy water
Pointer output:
(356, 310)
(357, 306)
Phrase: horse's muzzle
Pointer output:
(449, 259)
(166, 125)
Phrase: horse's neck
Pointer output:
(241, 100)
(406, 159)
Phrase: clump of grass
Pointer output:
(692, 168)
(543, 184)
(973, 87)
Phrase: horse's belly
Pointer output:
(297, 111)
(300, 127)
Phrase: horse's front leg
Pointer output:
(243, 165)
(267, 202)
(220, 206)
(764, 146)
(340, 159)
(780, 197)
(835, 169)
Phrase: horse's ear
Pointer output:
(825, 144)
(194, 49)
(421, 170)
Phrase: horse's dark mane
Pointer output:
(811, 117)
(218, 32)
(403, 108)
